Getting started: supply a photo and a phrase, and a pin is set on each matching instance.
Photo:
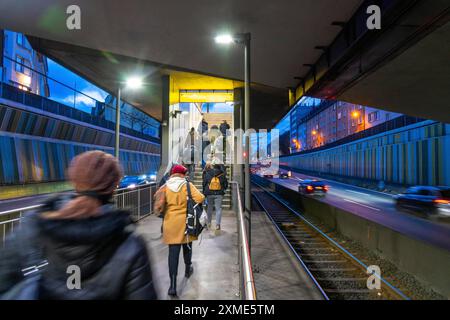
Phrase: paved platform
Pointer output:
(214, 259)
(277, 274)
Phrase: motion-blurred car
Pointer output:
(267, 173)
(131, 182)
(312, 187)
(285, 174)
(426, 199)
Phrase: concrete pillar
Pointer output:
(238, 124)
(165, 147)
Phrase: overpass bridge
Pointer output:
(275, 243)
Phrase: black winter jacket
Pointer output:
(112, 258)
(208, 175)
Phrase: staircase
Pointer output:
(226, 203)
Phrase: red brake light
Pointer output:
(310, 188)
(325, 188)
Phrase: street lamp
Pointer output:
(355, 114)
(132, 83)
(224, 39)
(243, 38)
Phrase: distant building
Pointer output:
(19, 61)
(374, 116)
(316, 124)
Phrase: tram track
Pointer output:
(336, 272)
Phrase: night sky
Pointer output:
(83, 101)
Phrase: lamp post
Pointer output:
(132, 83)
(244, 38)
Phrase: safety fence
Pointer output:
(138, 201)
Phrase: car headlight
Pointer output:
(131, 186)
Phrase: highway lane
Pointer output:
(380, 208)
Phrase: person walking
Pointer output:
(82, 236)
(174, 225)
(215, 183)
(205, 141)
(224, 130)
(189, 153)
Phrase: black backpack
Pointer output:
(193, 213)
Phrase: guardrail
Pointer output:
(138, 201)
(247, 283)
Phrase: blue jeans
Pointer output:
(214, 201)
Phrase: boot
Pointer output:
(189, 270)
(173, 286)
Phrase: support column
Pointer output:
(238, 172)
(248, 199)
(165, 147)
(117, 131)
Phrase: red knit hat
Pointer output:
(178, 169)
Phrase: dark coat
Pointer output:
(223, 128)
(112, 258)
(208, 175)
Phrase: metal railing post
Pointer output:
(139, 203)
(247, 284)
(151, 200)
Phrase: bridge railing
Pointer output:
(138, 201)
(246, 283)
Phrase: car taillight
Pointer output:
(325, 188)
(309, 188)
(441, 201)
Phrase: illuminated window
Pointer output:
(21, 39)
(20, 64)
(373, 116)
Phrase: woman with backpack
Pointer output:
(172, 200)
(215, 183)
(91, 249)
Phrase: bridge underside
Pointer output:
(412, 79)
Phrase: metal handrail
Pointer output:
(19, 209)
(247, 280)
(137, 201)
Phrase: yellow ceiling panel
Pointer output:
(187, 81)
